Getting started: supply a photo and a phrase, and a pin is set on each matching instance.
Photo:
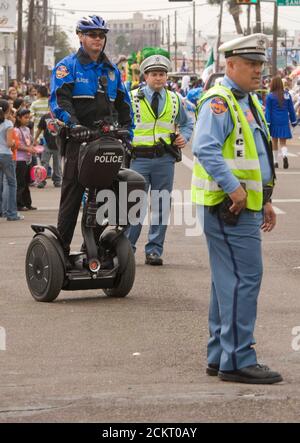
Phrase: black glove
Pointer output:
(80, 133)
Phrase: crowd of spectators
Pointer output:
(26, 117)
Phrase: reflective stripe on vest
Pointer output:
(148, 128)
(239, 152)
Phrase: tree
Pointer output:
(62, 45)
(269, 31)
(122, 43)
(234, 10)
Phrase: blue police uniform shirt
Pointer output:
(212, 129)
(184, 121)
(76, 78)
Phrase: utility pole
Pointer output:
(6, 51)
(175, 39)
(45, 36)
(162, 31)
(168, 36)
(38, 40)
(194, 37)
(29, 40)
(219, 36)
(258, 16)
(248, 19)
(285, 44)
(274, 48)
(19, 40)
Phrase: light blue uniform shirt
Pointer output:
(183, 120)
(210, 134)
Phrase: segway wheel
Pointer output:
(125, 278)
(44, 269)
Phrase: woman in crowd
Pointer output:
(7, 166)
(279, 113)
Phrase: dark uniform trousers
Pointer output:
(71, 195)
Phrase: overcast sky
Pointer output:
(206, 16)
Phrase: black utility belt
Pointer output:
(147, 152)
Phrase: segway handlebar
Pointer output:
(84, 134)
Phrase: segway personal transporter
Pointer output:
(106, 259)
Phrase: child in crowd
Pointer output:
(24, 156)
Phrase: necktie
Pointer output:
(154, 103)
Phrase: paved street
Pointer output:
(86, 357)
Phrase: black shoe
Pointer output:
(276, 165)
(31, 208)
(212, 369)
(57, 185)
(22, 208)
(154, 260)
(255, 374)
(285, 163)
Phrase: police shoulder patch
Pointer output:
(218, 106)
(61, 71)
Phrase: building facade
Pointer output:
(133, 34)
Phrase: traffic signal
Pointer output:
(246, 2)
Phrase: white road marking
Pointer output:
(288, 173)
(278, 211)
(281, 242)
(286, 200)
(187, 162)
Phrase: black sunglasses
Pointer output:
(95, 34)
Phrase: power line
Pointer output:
(127, 10)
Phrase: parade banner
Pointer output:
(49, 56)
(8, 15)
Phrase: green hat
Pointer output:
(148, 51)
(155, 59)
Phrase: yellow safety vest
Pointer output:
(148, 128)
(240, 154)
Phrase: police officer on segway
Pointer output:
(85, 87)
